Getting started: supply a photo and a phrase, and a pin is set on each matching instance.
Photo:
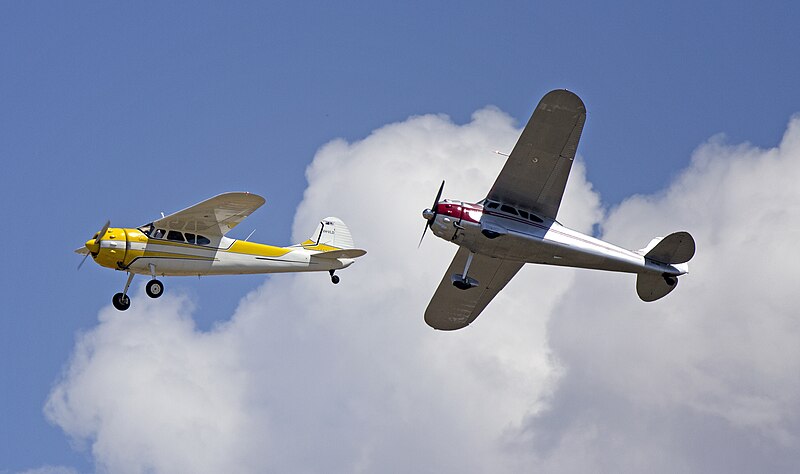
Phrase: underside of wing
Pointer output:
(452, 308)
(215, 216)
(537, 169)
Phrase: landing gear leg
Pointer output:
(122, 301)
(334, 278)
(154, 288)
(463, 282)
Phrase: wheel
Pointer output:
(154, 288)
(121, 302)
(462, 285)
(335, 279)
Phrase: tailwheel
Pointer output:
(334, 278)
(154, 288)
(121, 301)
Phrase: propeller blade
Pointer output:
(433, 209)
(427, 224)
(104, 229)
(438, 195)
(83, 260)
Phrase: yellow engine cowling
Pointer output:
(113, 246)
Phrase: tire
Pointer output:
(335, 279)
(121, 302)
(154, 288)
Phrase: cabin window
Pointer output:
(175, 236)
(159, 234)
(536, 219)
(190, 237)
(202, 240)
(523, 213)
(508, 209)
(492, 205)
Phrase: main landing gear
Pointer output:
(122, 301)
(154, 289)
(334, 278)
(463, 282)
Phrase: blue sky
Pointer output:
(121, 111)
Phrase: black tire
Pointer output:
(335, 279)
(154, 288)
(462, 285)
(121, 302)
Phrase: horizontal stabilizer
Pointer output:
(677, 247)
(344, 253)
(650, 286)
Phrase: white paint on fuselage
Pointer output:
(198, 260)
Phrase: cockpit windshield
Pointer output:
(146, 229)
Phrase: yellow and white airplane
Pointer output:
(193, 242)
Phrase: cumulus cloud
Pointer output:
(706, 379)
(565, 370)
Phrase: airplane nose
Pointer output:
(93, 245)
(428, 214)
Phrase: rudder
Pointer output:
(331, 231)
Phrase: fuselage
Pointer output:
(502, 231)
(173, 253)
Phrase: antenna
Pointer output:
(162, 215)
(251, 234)
(498, 152)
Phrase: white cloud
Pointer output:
(565, 369)
(706, 379)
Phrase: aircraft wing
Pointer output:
(215, 216)
(537, 169)
(451, 308)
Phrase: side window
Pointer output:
(189, 237)
(202, 240)
(536, 219)
(492, 205)
(508, 209)
(175, 236)
(523, 213)
(159, 234)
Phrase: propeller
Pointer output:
(92, 245)
(430, 214)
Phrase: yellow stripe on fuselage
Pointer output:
(310, 245)
(258, 250)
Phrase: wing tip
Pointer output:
(564, 98)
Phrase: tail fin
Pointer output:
(675, 249)
(331, 232)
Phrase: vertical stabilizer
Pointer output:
(331, 231)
